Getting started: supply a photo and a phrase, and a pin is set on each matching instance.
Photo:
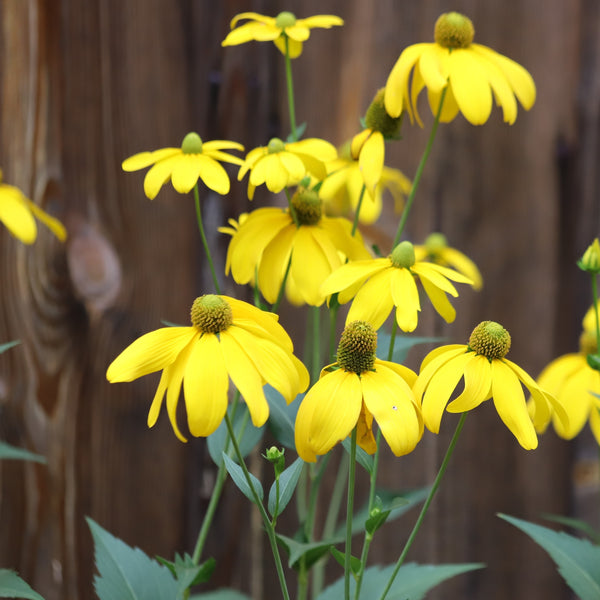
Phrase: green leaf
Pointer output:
(246, 434)
(578, 560)
(341, 559)
(12, 452)
(282, 416)
(402, 345)
(6, 346)
(186, 572)
(300, 129)
(312, 551)
(287, 484)
(576, 524)
(362, 458)
(223, 594)
(12, 586)
(127, 573)
(236, 473)
(411, 583)
(397, 502)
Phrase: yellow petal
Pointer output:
(433, 65)
(252, 16)
(205, 385)
(158, 175)
(478, 385)
(145, 159)
(151, 352)
(509, 401)
(298, 32)
(358, 142)
(577, 400)
(247, 32)
(293, 165)
(174, 375)
(294, 47)
(320, 149)
(463, 264)
(190, 167)
(389, 398)
(245, 377)
(323, 21)
(15, 214)
(439, 300)
(274, 262)
(373, 302)
(406, 299)
(371, 160)
(353, 272)
(328, 413)
(364, 431)
(55, 226)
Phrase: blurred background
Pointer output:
(84, 85)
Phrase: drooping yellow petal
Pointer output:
(373, 302)
(372, 156)
(320, 149)
(141, 160)
(433, 67)
(439, 300)
(364, 431)
(509, 401)
(358, 141)
(205, 385)
(55, 226)
(294, 47)
(351, 273)
(298, 32)
(174, 374)
(15, 214)
(406, 299)
(389, 398)
(253, 17)
(245, 377)
(274, 262)
(328, 413)
(261, 32)
(463, 264)
(478, 385)
(190, 167)
(158, 175)
(503, 93)
(149, 353)
(322, 21)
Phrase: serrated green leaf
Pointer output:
(287, 484)
(186, 572)
(282, 416)
(13, 453)
(246, 434)
(223, 594)
(238, 477)
(412, 582)
(578, 560)
(7, 345)
(402, 345)
(312, 551)
(127, 573)
(12, 586)
(576, 524)
(362, 458)
(340, 557)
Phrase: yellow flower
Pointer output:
(575, 385)
(228, 338)
(351, 393)
(277, 29)
(268, 240)
(487, 374)
(184, 166)
(18, 214)
(589, 321)
(343, 185)
(379, 284)
(281, 165)
(470, 73)
(436, 250)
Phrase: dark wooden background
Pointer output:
(83, 85)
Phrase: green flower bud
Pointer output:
(192, 144)
(275, 145)
(403, 256)
(377, 118)
(590, 261)
(285, 19)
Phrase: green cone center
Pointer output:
(285, 19)
(307, 206)
(453, 30)
(356, 351)
(403, 255)
(192, 144)
(275, 145)
(377, 118)
(211, 314)
(435, 242)
(490, 339)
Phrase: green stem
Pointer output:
(290, 89)
(423, 512)
(291, 207)
(595, 300)
(349, 514)
(275, 306)
(392, 340)
(263, 513)
(333, 312)
(316, 344)
(358, 207)
(204, 240)
(417, 179)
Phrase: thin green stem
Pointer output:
(275, 306)
(349, 514)
(419, 173)
(263, 513)
(290, 89)
(316, 343)
(204, 240)
(333, 313)
(595, 300)
(423, 512)
(291, 207)
(392, 340)
(358, 207)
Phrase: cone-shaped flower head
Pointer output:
(380, 284)
(368, 147)
(353, 391)
(285, 26)
(436, 250)
(183, 166)
(281, 165)
(576, 386)
(270, 243)
(487, 373)
(471, 74)
(18, 213)
(228, 339)
(343, 187)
